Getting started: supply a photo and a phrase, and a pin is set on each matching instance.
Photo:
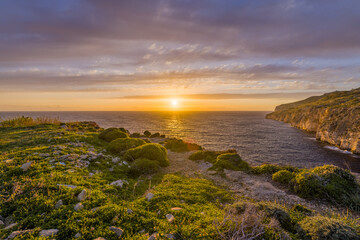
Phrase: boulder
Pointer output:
(26, 166)
(116, 230)
(82, 196)
(48, 232)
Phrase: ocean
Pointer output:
(257, 140)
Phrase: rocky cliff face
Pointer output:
(334, 117)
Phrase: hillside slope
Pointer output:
(334, 117)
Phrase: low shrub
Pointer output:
(208, 156)
(155, 135)
(147, 133)
(282, 176)
(120, 145)
(151, 151)
(135, 135)
(328, 182)
(271, 169)
(319, 227)
(111, 134)
(231, 161)
(178, 145)
(145, 166)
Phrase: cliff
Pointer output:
(334, 117)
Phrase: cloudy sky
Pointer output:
(206, 54)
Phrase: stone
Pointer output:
(44, 155)
(151, 238)
(77, 235)
(169, 217)
(83, 157)
(58, 204)
(116, 230)
(11, 226)
(149, 196)
(8, 161)
(176, 209)
(8, 220)
(82, 196)
(67, 185)
(119, 183)
(95, 209)
(78, 206)
(48, 232)
(2, 223)
(99, 238)
(26, 166)
(19, 233)
(129, 211)
(211, 172)
(170, 236)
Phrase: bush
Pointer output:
(145, 166)
(282, 176)
(135, 135)
(111, 134)
(208, 156)
(231, 161)
(147, 133)
(122, 144)
(319, 227)
(155, 135)
(178, 145)
(328, 182)
(151, 151)
(271, 169)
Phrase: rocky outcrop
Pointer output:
(334, 117)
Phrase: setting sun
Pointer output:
(174, 102)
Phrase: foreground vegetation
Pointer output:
(76, 181)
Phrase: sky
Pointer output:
(159, 55)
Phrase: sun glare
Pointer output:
(174, 102)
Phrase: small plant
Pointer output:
(178, 145)
(151, 151)
(231, 161)
(282, 176)
(111, 134)
(118, 146)
(319, 227)
(145, 166)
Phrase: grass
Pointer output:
(201, 209)
(28, 122)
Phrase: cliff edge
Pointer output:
(334, 117)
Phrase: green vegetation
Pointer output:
(147, 133)
(283, 176)
(111, 134)
(178, 145)
(127, 191)
(231, 161)
(27, 122)
(118, 146)
(151, 151)
(271, 168)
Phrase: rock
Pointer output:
(58, 204)
(77, 235)
(211, 172)
(149, 196)
(119, 183)
(8, 161)
(129, 211)
(1, 223)
(115, 159)
(95, 209)
(170, 217)
(176, 209)
(100, 238)
(151, 237)
(116, 230)
(48, 233)
(170, 236)
(78, 206)
(83, 157)
(111, 169)
(8, 220)
(67, 185)
(11, 226)
(44, 155)
(19, 233)
(82, 196)
(26, 166)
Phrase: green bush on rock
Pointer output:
(319, 227)
(178, 145)
(282, 176)
(111, 134)
(151, 151)
(120, 145)
(144, 165)
(208, 156)
(231, 161)
(147, 133)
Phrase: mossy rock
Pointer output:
(155, 135)
(151, 151)
(145, 166)
(319, 227)
(283, 176)
(118, 146)
(231, 161)
(111, 134)
(135, 135)
(178, 145)
(147, 133)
